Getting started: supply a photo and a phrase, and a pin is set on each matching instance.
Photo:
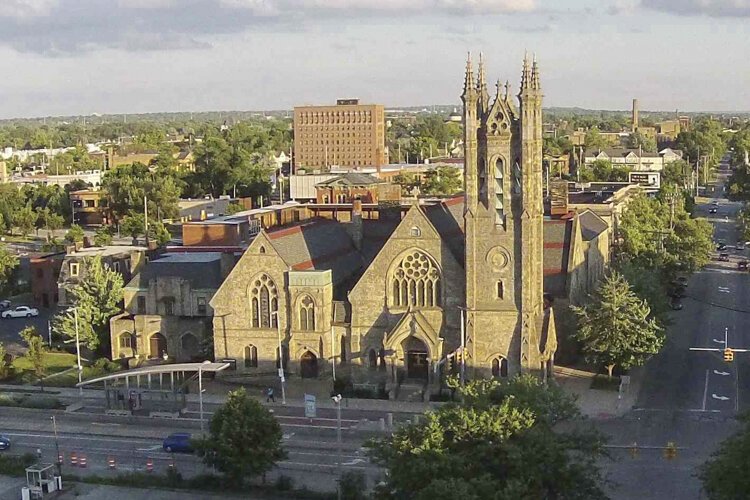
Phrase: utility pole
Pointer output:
(337, 400)
(145, 219)
(57, 446)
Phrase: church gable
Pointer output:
(260, 256)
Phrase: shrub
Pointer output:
(353, 485)
(15, 465)
(284, 483)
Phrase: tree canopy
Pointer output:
(616, 329)
(97, 298)
(724, 475)
(244, 439)
(500, 442)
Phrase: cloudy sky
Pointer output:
(63, 57)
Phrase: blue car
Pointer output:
(4, 442)
(178, 442)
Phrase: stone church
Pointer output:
(400, 295)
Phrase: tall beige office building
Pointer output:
(348, 135)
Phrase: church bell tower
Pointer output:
(503, 221)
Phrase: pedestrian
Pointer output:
(269, 395)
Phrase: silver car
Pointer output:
(20, 312)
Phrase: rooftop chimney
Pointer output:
(355, 227)
(558, 197)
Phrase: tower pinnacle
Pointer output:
(535, 76)
(469, 79)
(525, 74)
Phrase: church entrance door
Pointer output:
(308, 365)
(417, 366)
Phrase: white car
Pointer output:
(20, 312)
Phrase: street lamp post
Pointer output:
(78, 351)
(333, 354)
(337, 400)
(57, 447)
(281, 357)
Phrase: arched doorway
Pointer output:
(417, 365)
(157, 346)
(308, 365)
(189, 346)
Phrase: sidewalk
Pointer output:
(596, 403)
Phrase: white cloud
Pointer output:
(717, 8)
(23, 9)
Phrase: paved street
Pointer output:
(9, 328)
(689, 397)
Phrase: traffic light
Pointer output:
(728, 355)
(670, 451)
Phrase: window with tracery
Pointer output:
(264, 302)
(416, 282)
(307, 313)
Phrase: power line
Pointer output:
(713, 304)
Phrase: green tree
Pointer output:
(35, 352)
(97, 298)
(648, 284)
(501, 442)
(25, 220)
(158, 233)
(5, 367)
(724, 475)
(75, 234)
(233, 208)
(244, 439)
(133, 225)
(250, 174)
(8, 263)
(676, 173)
(11, 203)
(212, 167)
(408, 183)
(594, 140)
(442, 181)
(103, 236)
(128, 185)
(637, 140)
(616, 329)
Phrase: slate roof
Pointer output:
(448, 219)
(591, 225)
(201, 269)
(557, 237)
(319, 244)
(374, 235)
(352, 179)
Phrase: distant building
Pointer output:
(90, 208)
(632, 159)
(123, 259)
(167, 310)
(345, 188)
(348, 134)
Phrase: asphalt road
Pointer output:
(689, 398)
(9, 328)
(311, 460)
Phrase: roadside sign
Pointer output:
(309, 406)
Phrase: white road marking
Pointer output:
(705, 392)
(720, 398)
(288, 436)
(718, 341)
(724, 374)
(151, 448)
(354, 462)
(724, 289)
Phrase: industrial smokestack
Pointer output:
(635, 115)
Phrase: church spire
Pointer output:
(484, 98)
(469, 89)
(535, 75)
(525, 74)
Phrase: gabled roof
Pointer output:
(351, 179)
(448, 219)
(319, 244)
(622, 153)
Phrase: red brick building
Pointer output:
(45, 270)
(346, 188)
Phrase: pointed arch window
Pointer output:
(307, 314)
(416, 282)
(500, 367)
(264, 302)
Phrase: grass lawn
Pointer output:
(53, 361)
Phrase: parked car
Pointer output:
(740, 245)
(712, 211)
(721, 246)
(682, 281)
(715, 203)
(742, 265)
(178, 442)
(4, 304)
(724, 257)
(21, 312)
(4, 442)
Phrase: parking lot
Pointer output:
(10, 328)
